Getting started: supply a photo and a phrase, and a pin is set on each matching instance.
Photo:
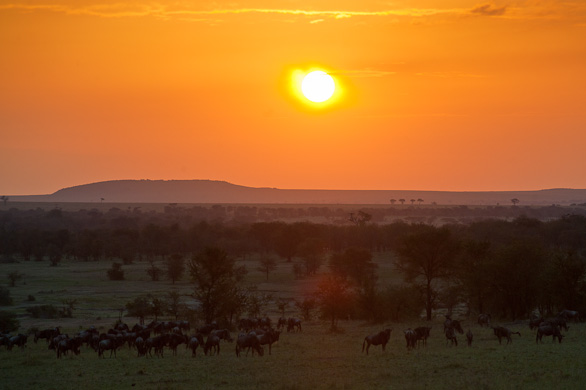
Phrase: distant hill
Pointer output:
(209, 191)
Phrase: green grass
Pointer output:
(314, 358)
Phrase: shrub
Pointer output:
(116, 272)
(43, 311)
(8, 321)
(5, 299)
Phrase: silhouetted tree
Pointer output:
(13, 277)
(216, 283)
(335, 298)
(514, 201)
(116, 272)
(267, 264)
(402, 201)
(393, 201)
(175, 267)
(140, 307)
(425, 257)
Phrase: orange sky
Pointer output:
(436, 95)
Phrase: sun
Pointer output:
(318, 86)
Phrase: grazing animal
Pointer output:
(569, 315)
(410, 338)
(269, 337)
(248, 341)
(194, 342)
(380, 338)
(484, 319)
(223, 334)
(422, 333)
(212, 343)
(68, 345)
(281, 323)
(18, 340)
(548, 330)
(535, 322)
(207, 328)
(293, 324)
(469, 337)
(107, 344)
(558, 321)
(502, 332)
(453, 324)
(47, 334)
(451, 336)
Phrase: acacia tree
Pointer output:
(175, 267)
(217, 282)
(335, 297)
(425, 257)
(266, 265)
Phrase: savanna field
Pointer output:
(314, 358)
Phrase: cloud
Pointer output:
(489, 10)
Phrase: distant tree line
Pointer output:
(506, 268)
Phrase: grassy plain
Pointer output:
(312, 359)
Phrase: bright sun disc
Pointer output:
(318, 86)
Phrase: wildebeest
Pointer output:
(107, 344)
(223, 334)
(535, 322)
(68, 345)
(212, 343)
(194, 342)
(46, 334)
(281, 323)
(501, 331)
(269, 337)
(484, 319)
(410, 338)
(548, 330)
(451, 336)
(380, 338)
(453, 324)
(248, 341)
(422, 334)
(557, 321)
(174, 340)
(293, 324)
(569, 315)
(207, 328)
(469, 337)
(18, 340)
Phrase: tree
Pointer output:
(419, 200)
(139, 307)
(335, 298)
(256, 302)
(393, 201)
(412, 201)
(13, 277)
(116, 272)
(8, 321)
(474, 274)
(514, 201)
(427, 256)
(361, 219)
(267, 264)
(355, 264)
(153, 271)
(5, 298)
(4, 199)
(306, 307)
(175, 267)
(55, 255)
(402, 201)
(311, 253)
(174, 305)
(217, 282)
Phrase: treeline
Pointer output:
(506, 268)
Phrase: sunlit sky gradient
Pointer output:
(437, 95)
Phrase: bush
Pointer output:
(5, 299)
(44, 311)
(116, 272)
(8, 321)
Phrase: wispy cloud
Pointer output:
(514, 10)
(489, 10)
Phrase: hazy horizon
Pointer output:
(457, 95)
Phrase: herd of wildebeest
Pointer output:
(254, 333)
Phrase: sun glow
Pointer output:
(318, 86)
